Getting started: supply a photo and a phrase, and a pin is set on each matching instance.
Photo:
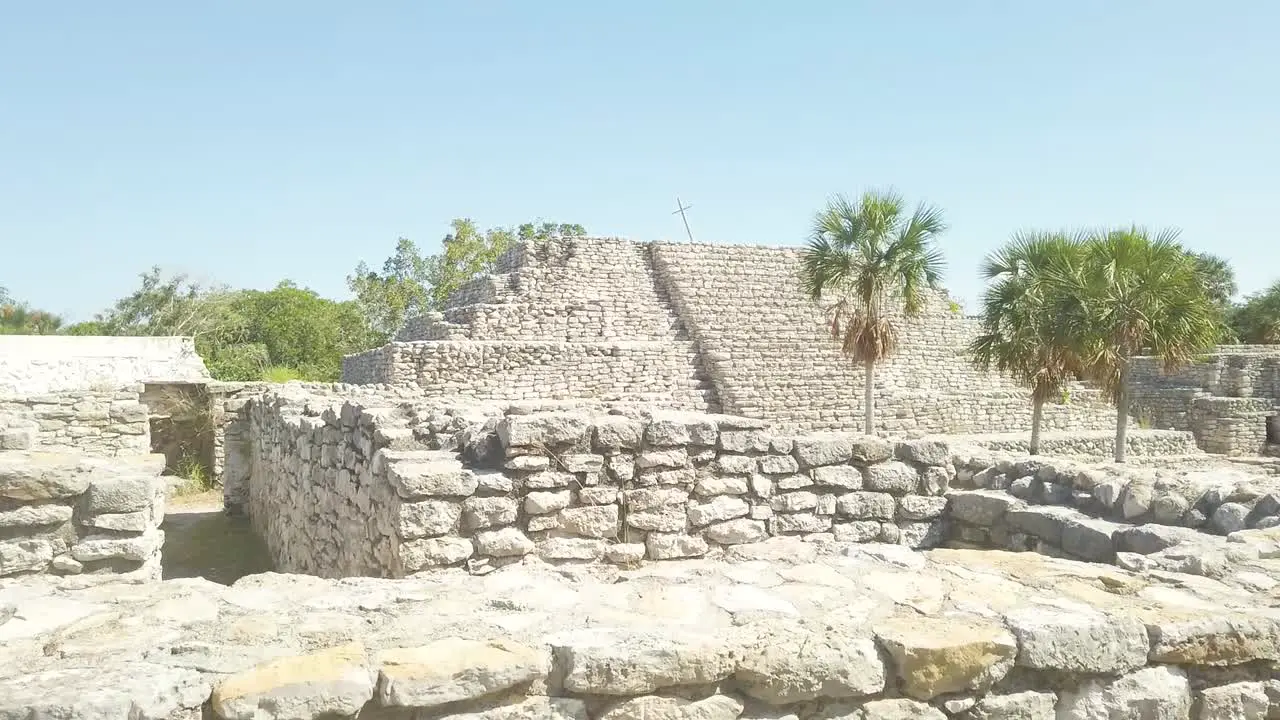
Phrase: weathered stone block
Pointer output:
(778, 465)
(35, 516)
(893, 476)
(926, 451)
(921, 507)
(544, 502)
(431, 478)
(505, 542)
(839, 476)
(1154, 693)
(428, 518)
(595, 521)
(823, 449)
(866, 506)
(736, 532)
(542, 429)
(721, 508)
(486, 512)
(668, 546)
(454, 670)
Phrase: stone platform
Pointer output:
(783, 628)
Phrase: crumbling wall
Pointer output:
(1224, 398)
(42, 364)
(105, 422)
(70, 514)
(354, 490)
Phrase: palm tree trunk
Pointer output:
(1037, 412)
(1122, 420)
(869, 399)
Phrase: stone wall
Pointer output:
(707, 328)
(1224, 398)
(98, 422)
(387, 491)
(1098, 444)
(42, 364)
(70, 514)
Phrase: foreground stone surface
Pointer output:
(783, 627)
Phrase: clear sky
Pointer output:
(249, 141)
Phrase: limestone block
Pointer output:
(454, 670)
(839, 476)
(937, 656)
(1077, 639)
(564, 548)
(625, 553)
(544, 502)
(820, 449)
(135, 522)
(428, 518)
(778, 465)
(784, 663)
(736, 532)
(900, 709)
(594, 521)
(921, 507)
(654, 660)
(548, 429)
(868, 449)
(858, 531)
(719, 509)
(921, 534)
(668, 546)
(866, 505)
(614, 433)
(672, 458)
(431, 478)
(28, 480)
(667, 433)
(927, 451)
(34, 516)
(893, 476)
(981, 507)
(598, 495)
(1028, 705)
(1090, 539)
(1217, 639)
(1239, 701)
(794, 501)
(24, 555)
(1154, 693)
(1151, 538)
(505, 542)
(550, 480)
(104, 547)
(655, 707)
(735, 464)
(803, 522)
(333, 682)
(485, 512)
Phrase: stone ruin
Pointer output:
(618, 481)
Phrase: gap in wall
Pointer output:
(182, 428)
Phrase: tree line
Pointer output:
(1059, 306)
(291, 332)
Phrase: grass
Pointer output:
(281, 374)
(195, 477)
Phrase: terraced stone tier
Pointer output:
(776, 629)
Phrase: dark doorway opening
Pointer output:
(182, 429)
(1273, 429)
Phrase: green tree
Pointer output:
(1020, 335)
(1220, 285)
(301, 330)
(870, 258)
(19, 318)
(1257, 320)
(1133, 294)
(400, 290)
(411, 283)
(173, 305)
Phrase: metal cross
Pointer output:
(681, 207)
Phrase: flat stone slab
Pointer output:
(782, 624)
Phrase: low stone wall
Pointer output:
(662, 373)
(355, 490)
(70, 514)
(1092, 444)
(98, 422)
(1216, 500)
(39, 364)
(781, 629)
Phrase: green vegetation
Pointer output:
(290, 332)
(1257, 320)
(1060, 307)
(868, 258)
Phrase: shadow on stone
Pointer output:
(211, 545)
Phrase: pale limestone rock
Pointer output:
(431, 478)
(546, 502)
(735, 465)
(1077, 639)
(35, 516)
(718, 485)
(952, 654)
(427, 553)
(719, 509)
(542, 429)
(101, 547)
(1154, 693)
(27, 478)
(505, 542)
(453, 669)
(127, 690)
(1237, 701)
(135, 522)
(981, 507)
(867, 449)
(594, 521)
(617, 433)
(1028, 705)
(653, 707)
(858, 531)
(336, 681)
(783, 664)
(1217, 638)
(819, 449)
(925, 451)
(839, 476)
(562, 548)
(736, 532)
(667, 546)
(24, 555)
(900, 709)
(622, 662)
(794, 501)
(625, 553)
(861, 505)
(479, 513)
(673, 459)
(121, 494)
(892, 477)
(598, 495)
(921, 507)
(778, 465)
(428, 518)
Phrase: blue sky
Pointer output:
(246, 142)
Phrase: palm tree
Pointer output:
(1134, 294)
(871, 259)
(1020, 335)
